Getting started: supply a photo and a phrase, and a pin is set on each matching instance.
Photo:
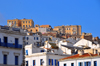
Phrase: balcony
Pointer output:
(10, 45)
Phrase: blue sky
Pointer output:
(54, 13)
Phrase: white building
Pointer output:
(82, 59)
(87, 43)
(11, 46)
(44, 30)
(44, 38)
(67, 46)
(71, 46)
(33, 38)
(47, 55)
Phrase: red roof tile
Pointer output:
(80, 56)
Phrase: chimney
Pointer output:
(81, 52)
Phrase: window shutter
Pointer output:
(26, 52)
(96, 63)
(89, 63)
(79, 64)
(5, 59)
(58, 63)
(34, 63)
(85, 63)
(82, 63)
(16, 60)
(49, 61)
(52, 61)
(55, 62)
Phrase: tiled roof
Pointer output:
(45, 26)
(80, 56)
(50, 34)
(47, 48)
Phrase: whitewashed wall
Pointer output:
(45, 58)
(11, 56)
(31, 39)
(11, 38)
(11, 51)
(68, 62)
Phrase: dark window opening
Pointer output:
(16, 60)
(5, 59)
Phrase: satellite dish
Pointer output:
(42, 61)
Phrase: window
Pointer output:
(74, 32)
(26, 52)
(87, 63)
(80, 64)
(12, 22)
(46, 39)
(5, 59)
(66, 28)
(16, 60)
(96, 51)
(95, 63)
(72, 64)
(29, 25)
(26, 21)
(37, 38)
(27, 42)
(34, 63)
(29, 21)
(31, 30)
(26, 63)
(23, 25)
(42, 50)
(69, 28)
(64, 64)
(27, 38)
(5, 41)
(34, 38)
(26, 25)
(23, 22)
(16, 42)
(41, 61)
(15, 22)
(56, 62)
(50, 61)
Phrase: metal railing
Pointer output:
(11, 45)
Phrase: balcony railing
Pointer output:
(10, 45)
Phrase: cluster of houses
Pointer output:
(19, 47)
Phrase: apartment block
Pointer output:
(22, 23)
(69, 29)
(39, 28)
(87, 36)
(11, 46)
